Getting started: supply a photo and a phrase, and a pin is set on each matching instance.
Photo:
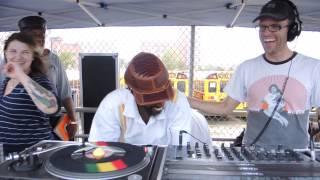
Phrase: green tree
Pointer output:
(67, 59)
(174, 61)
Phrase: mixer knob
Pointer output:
(188, 145)
(198, 154)
(217, 154)
(242, 148)
(288, 155)
(189, 151)
(206, 150)
(229, 156)
(260, 155)
(278, 156)
(269, 155)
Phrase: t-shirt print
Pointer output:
(267, 92)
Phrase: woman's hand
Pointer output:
(13, 70)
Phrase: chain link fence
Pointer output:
(216, 49)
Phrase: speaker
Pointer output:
(99, 76)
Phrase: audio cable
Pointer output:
(186, 132)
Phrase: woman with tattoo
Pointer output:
(26, 96)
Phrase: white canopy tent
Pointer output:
(92, 13)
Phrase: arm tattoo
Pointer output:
(41, 94)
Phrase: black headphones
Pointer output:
(294, 29)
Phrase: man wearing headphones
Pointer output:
(294, 74)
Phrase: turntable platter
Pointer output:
(126, 159)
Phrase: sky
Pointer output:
(219, 45)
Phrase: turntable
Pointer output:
(75, 162)
(72, 160)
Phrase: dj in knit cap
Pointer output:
(148, 111)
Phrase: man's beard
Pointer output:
(153, 110)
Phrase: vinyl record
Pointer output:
(120, 160)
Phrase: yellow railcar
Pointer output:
(211, 88)
(224, 77)
(180, 81)
(208, 89)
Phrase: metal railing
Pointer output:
(217, 132)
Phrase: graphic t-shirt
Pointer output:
(288, 91)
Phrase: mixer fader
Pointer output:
(256, 154)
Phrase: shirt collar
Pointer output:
(281, 62)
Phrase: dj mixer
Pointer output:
(225, 162)
(73, 160)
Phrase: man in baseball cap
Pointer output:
(278, 10)
(32, 22)
(280, 85)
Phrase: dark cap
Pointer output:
(276, 9)
(148, 79)
(32, 22)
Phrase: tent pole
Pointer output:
(96, 20)
(243, 4)
(191, 64)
